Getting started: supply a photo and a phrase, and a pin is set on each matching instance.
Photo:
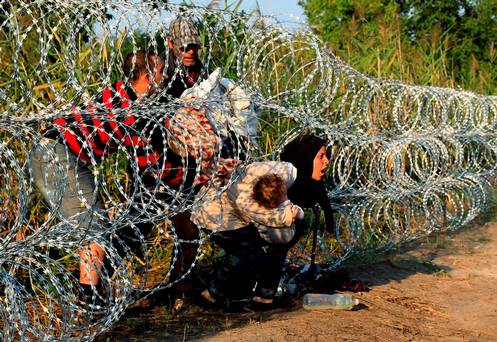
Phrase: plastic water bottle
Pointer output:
(319, 301)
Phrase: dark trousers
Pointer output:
(254, 261)
(129, 242)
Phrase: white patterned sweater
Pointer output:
(235, 208)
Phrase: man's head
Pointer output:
(144, 71)
(184, 40)
(269, 191)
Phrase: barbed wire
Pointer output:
(407, 160)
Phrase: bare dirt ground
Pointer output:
(441, 288)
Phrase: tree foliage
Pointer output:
(470, 25)
(439, 42)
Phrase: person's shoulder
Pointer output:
(262, 164)
(271, 166)
(125, 90)
(106, 92)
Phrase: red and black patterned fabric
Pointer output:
(95, 131)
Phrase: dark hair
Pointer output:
(136, 64)
(269, 191)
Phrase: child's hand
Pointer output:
(297, 213)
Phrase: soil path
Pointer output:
(443, 288)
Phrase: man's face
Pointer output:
(187, 55)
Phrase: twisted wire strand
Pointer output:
(407, 160)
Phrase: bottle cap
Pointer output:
(355, 301)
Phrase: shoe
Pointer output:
(261, 307)
(248, 305)
(180, 307)
(286, 299)
(237, 306)
(163, 297)
(203, 302)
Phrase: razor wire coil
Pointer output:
(407, 160)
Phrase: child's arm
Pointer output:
(297, 213)
(280, 217)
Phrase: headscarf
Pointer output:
(305, 191)
(301, 153)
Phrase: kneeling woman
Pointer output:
(253, 224)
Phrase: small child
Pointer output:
(270, 191)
